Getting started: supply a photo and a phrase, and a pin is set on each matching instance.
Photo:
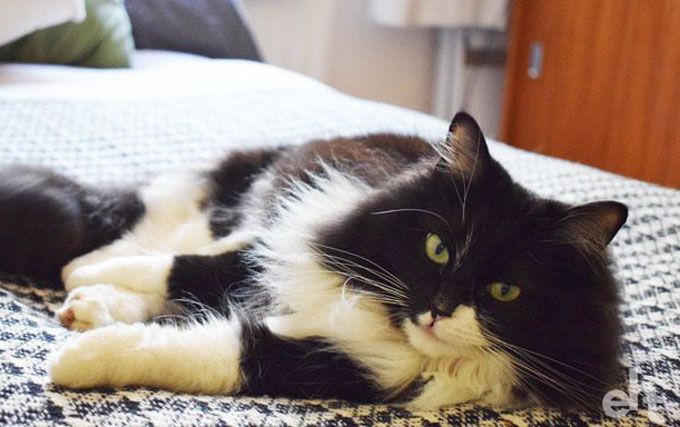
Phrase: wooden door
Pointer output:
(608, 93)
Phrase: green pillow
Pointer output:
(103, 39)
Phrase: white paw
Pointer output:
(93, 358)
(91, 307)
(86, 308)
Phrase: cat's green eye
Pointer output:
(503, 292)
(436, 249)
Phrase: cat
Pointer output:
(380, 268)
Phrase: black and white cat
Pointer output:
(379, 268)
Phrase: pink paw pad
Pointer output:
(67, 317)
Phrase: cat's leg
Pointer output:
(94, 306)
(200, 358)
(219, 356)
(214, 281)
(123, 289)
(138, 273)
(173, 222)
(136, 288)
(126, 279)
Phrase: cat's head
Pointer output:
(468, 262)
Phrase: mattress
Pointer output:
(177, 111)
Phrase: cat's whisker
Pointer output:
(424, 211)
(343, 294)
(558, 385)
(571, 394)
(524, 356)
(395, 278)
(517, 381)
(394, 297)
(348, 267)
(396, 287)
(570, 387)
(391, 302)
(528, 353)
(388, 286)
(397, 292)
(198, 306)
(566, 380)
(390, 290)
(376, 297)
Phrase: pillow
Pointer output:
(21, 17)
(212, 28)
(103, 39)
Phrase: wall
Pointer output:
(337, 42)
(294, 34)
(393, 65)
(484, 98)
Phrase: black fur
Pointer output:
(229, 181)
(216, 281)
(309, 368)
(47, 219)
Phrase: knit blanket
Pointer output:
(118, 131)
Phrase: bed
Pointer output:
(171, 110)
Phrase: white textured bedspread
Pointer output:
(120, 127)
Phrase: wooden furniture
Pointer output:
(597, 82)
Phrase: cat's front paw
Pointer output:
(91, 307)
(95, 358)
(85, 308)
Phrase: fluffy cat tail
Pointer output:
(47, 219)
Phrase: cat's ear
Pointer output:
(597, 221)
(464, 153)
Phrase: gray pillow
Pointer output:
(212, 28)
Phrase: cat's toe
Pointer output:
(84, 309)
